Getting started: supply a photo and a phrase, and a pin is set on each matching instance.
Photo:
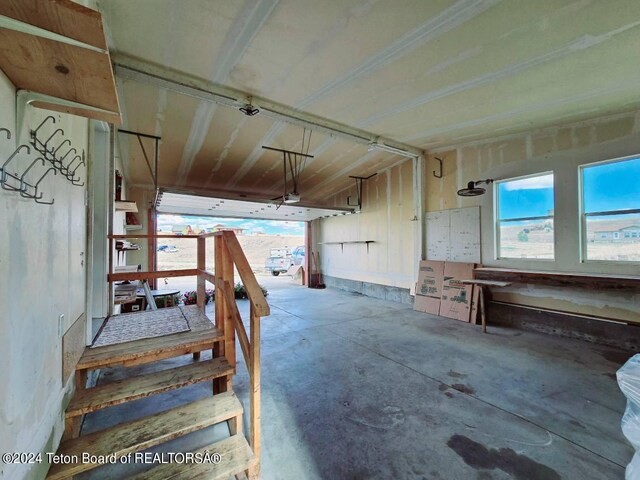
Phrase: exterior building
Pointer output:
(624, 234)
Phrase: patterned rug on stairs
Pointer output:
(128, 327)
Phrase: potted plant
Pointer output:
(191, 297)
(240, 292)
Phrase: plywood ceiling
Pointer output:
(427, 73)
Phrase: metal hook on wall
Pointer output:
(76, 181)
(61, 165)
(34, 132)
(73, 172)
(61, 145)
(53, 135)
(3, 169)
(438, 175)
(38, 197)
(6, 130)
(24, 185)
(71, 162)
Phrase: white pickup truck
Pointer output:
(279, 261)
(282, 258)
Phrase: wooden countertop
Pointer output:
(568, 279)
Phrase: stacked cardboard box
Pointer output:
(429, 288)
(440, 291)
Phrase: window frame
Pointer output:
(582, 215)
(497, 220)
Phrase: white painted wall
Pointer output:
(42, 275)
(386, 218)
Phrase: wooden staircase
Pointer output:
(235, 455)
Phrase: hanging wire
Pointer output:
(304, 159)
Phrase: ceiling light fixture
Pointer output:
(249, 110)
(388, 148)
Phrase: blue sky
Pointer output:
(269, 227)
(526, 197)
(611, 186)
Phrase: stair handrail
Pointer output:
(251, 285)
(229, 253)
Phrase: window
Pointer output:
(524, 211)
(611, 205)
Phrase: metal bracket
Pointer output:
(359, 191)
(26, 97)
(153, 171)
(438, 175)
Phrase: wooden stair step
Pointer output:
(121, 391)
(235, 457)
(149, 349)
(146, 432)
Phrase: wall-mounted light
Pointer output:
(473, 190)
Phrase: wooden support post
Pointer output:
(483, 316)
(152, 245)
(307, 252)
(223, 273)
(218, 349)
(254, 391)
(229, 328)
(110, 288)
(235, 425)
(201, 266)
(73, 425)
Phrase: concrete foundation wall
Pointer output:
(42, 276)
(384, 292)
(386, 218)
(626, 337)
(561, 150)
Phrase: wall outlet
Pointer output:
(60, 324)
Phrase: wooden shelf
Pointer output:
(55, 68)
(125, 206)
(367, 242)
(560, 279)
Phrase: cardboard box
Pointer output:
(429, 287)
(456, 297)
(427, 304)
(430, 277)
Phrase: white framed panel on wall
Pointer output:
(454, 235)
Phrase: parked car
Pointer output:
(279, 261)
(297, 256)
(167, 248)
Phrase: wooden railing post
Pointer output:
(223, 321)
(254, 390)
(202, 265)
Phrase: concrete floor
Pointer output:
(360, 388)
